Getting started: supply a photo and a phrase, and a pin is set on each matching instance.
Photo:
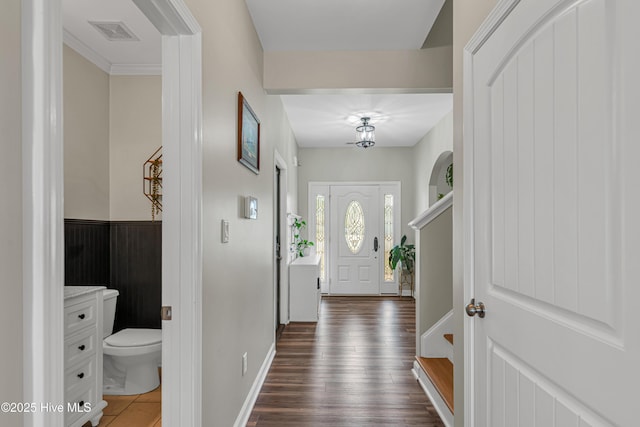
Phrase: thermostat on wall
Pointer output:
(251, 207)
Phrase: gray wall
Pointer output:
(11, 356)
(238, 291)
(356, 164)
(135, 133)
(436, 251)
(430, 68)
(86, 138)
(426, 153)
(112, 124)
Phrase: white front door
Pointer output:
(355, 240)
(552, 209)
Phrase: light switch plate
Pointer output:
(250, 207)
(245, 364)
(225, 231)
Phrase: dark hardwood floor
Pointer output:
(353, 368)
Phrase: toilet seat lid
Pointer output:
(134, 337)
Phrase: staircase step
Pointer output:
(449, 337)
(440, 372)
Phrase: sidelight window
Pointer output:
(320, 234)
(388, 236)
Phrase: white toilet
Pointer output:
(131, 356)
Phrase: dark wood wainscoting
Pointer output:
(123, 255)
(136, 271)
(86, 252)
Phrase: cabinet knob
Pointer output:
(81, 375)
(82, 347)
(81, 316)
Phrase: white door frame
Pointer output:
(43, 209)
(487, 28)
(280, 163)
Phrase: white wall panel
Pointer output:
(544, 183)
(511, 175)
(497, 387)
(497, 182)
(526, 395)
(524, 161)
(594, 141)
(565, 162)
(537, 188)
(525, 398)
(544, 408)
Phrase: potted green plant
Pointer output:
(301, 246)
(448, 177)
(405, 255)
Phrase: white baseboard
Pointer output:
(250, 401)
(441, 408)
(406, 293)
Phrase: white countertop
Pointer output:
(76, 291)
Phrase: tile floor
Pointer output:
(140, 410)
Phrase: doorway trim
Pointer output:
(281, 164)
(488, 27)
(43, 208)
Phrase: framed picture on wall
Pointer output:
(248, 136)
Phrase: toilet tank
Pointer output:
(110, 297)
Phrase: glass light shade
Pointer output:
(365, 134)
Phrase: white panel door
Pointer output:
(553, 208)
(355, 240)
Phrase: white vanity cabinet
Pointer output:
(304, 289)
(83, 355)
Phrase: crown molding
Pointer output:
(91, 55)
(101, 62)
(136, 70)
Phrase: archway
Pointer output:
(438, 183)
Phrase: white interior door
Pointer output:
(552, 205)
(355, 240)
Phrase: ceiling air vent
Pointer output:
(114, 31)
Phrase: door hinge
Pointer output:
(165, 312)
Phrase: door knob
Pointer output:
(472, 308)
(375, 244)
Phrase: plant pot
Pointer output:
(406, 278)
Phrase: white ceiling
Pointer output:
(115, 57)
(330, 120)
(317, 120)
(343, 24)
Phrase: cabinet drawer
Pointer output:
(79, 346)
(79, 404)
(80, 375)
(79, 316)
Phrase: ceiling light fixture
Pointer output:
(365, 136)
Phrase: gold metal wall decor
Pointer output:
(152, 182)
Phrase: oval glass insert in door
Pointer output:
(354, 226)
